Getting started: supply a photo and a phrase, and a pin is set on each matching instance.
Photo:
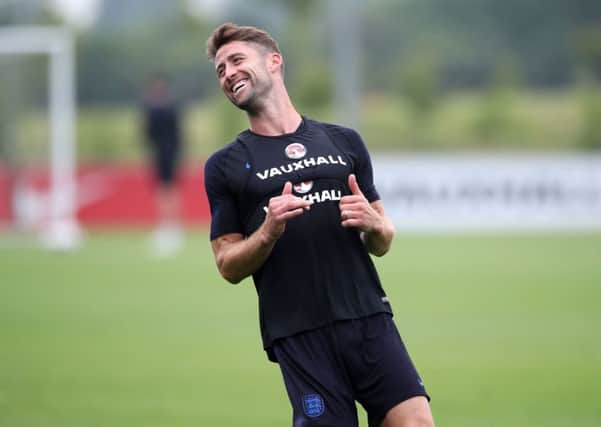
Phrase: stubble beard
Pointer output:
(255, 100)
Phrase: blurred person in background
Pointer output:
(294, 205)
(162, 134)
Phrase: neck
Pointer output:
(277, 117)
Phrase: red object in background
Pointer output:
(114, 195)
(5, 195)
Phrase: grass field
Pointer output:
(504, 329)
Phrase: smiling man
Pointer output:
(294, 205)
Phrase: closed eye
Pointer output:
(235, 59)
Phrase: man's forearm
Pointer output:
(238, 258)
(378, 241)
(242, 258)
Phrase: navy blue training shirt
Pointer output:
(318, 272)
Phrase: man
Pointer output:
(293, 204)
(162, 133)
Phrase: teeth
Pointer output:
(238, 86)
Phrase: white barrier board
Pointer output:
(490, 192)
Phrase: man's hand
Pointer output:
(357, 212)
(238, 257)
(282, 208)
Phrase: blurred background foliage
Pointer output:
(433, 74)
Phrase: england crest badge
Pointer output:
(313, 405)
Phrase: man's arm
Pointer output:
(237, 257)
(378, 240)
(376, 228)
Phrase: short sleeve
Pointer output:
(363, 168)
(225, 217)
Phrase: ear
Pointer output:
(275, 61)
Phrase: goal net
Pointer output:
(51, 211)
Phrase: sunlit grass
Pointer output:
(501, 327)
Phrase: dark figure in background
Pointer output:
(163, 137)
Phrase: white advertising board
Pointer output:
(434, 192)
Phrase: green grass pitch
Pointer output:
(503, 328)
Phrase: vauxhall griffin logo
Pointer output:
(303, 187)
(295, 151)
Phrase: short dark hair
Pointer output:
(229, 32)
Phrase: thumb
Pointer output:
(287, 188)
(354, 186)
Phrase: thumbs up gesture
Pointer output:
(282, 208)
(356, 211)
(354, 186)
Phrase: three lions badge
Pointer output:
(313, 405)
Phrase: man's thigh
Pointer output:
(414, 412)
(382, 372)
(315, 380)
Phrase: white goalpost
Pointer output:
(62, 231)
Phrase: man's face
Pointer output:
(243, 74)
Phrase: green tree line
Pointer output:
(463, 42)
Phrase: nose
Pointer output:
(229, 73)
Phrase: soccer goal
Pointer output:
(60, 229)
